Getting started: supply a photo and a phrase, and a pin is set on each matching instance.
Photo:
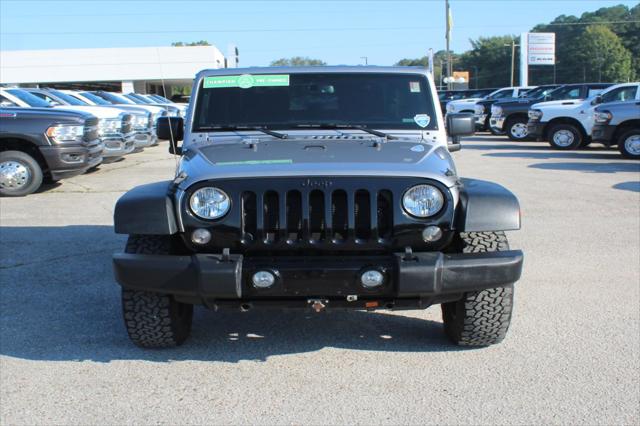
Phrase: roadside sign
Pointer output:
(541, 48)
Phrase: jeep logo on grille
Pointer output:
(311, 183)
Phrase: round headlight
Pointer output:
(209, 203)
(423, 201)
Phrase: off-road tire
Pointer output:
(575, 132)
(35, 175)
(154, 320)
(480, 318)
(621, 144)
(511, 123)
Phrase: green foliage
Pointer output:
(602, 55)
(297, 61)
(193, 43)
(489, 61)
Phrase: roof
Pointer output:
(316, 69)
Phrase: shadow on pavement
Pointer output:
(628, 186)
(590, 167)
(59, 302)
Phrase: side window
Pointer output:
(45, 97)
(4, 102)
(620, 94)
(573, 94)
(594, 91)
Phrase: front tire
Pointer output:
(480, 318)
(20, 174)
(154, 320)
(565, 137)
(629, 144)
(516, 129)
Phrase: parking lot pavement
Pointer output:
(572, 354)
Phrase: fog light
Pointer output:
(263, 279)
(372, 278)
(431, 234)
(201, 236)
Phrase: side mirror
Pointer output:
(171, 129)
(597, 100)
(461, 124)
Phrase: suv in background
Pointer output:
(45, 143)
(567, 124)
(511, 116)
(618, 123)
(114, 125)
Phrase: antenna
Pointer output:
(172, 140)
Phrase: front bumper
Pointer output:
(535, 129)
(497, 122)
(210, 279)
(144, 139)
(67, 161)
(118, 146)
(603, 133)
(481, 121)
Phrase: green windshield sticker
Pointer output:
(246, 81)
(252, 162)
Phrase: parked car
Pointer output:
(482, 107)
(316, 192)
(172, 109)
(618, 123)
(121, 101)
(114, 126)
(567, 124)
(468, 104)
(45, 143)
(511, 116)
(452, 95)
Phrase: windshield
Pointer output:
(67, 98)
(564, 92)
(28, 98)
(114, 98)
(372, 100)
(94, 98)
(137, 98)
(538, 92)
(501, 94)
(159, 99)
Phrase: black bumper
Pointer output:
(536, 129)
(212, 278)
(67, 161)
(603, 133)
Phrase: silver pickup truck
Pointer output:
(618, 123)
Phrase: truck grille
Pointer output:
(127, 124)
(91, 130)
(319, 215)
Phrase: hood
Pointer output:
(361, 156)
(145, 107)
(568, 104)
(466, 101)
(100, 112)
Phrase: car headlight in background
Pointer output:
(109, 126)
(535, 114)
(423, 201)
(496, 110)
(64, 133)
(479, 109)
(602, 117)
(450, 108)
(209, 203)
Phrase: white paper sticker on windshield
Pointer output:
(414, 86)
(422, 120)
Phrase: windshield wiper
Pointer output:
(257, 128)
(338, 126)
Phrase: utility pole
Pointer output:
(513, 60)
(448, 21)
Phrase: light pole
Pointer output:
(366, 60)
(513, 59)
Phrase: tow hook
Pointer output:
(318, 305)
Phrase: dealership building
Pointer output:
(139, 69)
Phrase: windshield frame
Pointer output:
(426, 85)
(29, 98)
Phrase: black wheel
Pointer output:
(20, 174)
(480, 318)
(565, 137)
(154, 320)
(629, 143)
(516, 129)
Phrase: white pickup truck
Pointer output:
(568, 124)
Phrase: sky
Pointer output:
(338, 32)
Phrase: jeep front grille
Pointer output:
(316, 216)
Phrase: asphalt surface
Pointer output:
(572, 354)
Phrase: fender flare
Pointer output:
(486, 206)
(146, 210)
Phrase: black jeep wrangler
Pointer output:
(316, 188)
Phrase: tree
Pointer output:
(193, 43)
(488, 61)
(297, 61)
(602, 56)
